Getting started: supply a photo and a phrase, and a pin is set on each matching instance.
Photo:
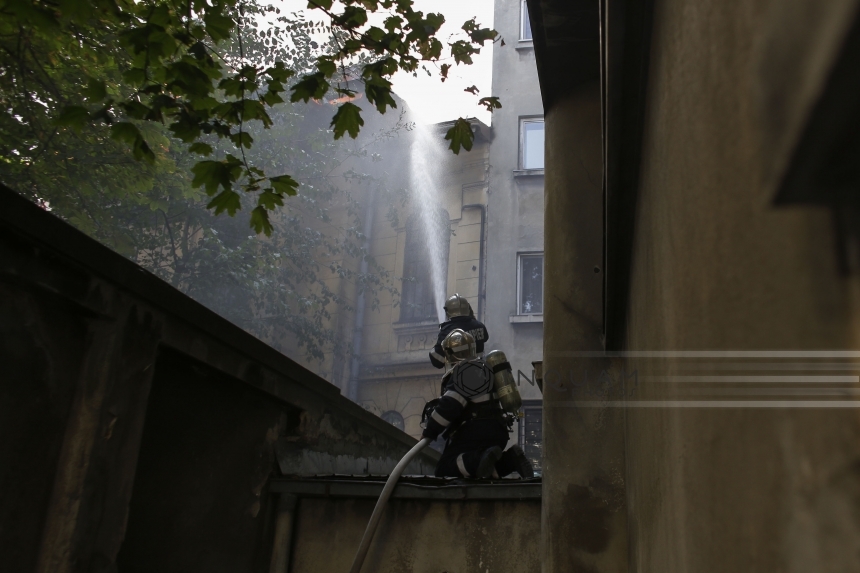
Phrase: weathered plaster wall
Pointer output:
(584, 519)
(419, 536)
(717, 267)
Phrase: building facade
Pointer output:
(493, 198)
(515, 233)
(395, 378)
(490, 208)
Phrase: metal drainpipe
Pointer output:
(481, 290)
(355, 362)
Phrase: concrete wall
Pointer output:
(666, 470)
(515, 212)
(118, 391)
(717, 266)
(584, 515)
(419, 536)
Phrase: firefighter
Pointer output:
(471, 419)
(459, 313)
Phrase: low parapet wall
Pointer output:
(120, 392)
(430, 525)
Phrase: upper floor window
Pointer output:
(525, 23)
(417, 300)
(531, 143)
(530, 284)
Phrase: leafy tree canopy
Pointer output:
(68, 65)
(279, 289)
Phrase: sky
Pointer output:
(433, 101)
(429, 99)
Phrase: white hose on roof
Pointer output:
(380, 505)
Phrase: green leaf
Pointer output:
(212, 174)
(326, 65)
(128, 133)
(434, 21)
(201, 148)
(352, 17)
(96, 90)
(393, 22)
(135, 76)
(313, 86)
(325, 4)
(491, 103)
(227, 200)
(242, 139)
(272, 98)
(460, 135)
(218, 26)
(347, 120)
(279, 72)
(462, 51)
(260, 221)
(284, 184)
(134, 109)
(378, 92)
(443, 71)
(73, 116)
(253, 109)
(232, 86)
(269, 199)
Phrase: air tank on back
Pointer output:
(506, 388)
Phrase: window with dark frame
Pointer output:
(394, 418)
(531, 432)
(532, 143)
(525, 22)
(530, 284)
(417, 304)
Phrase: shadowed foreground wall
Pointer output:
(420, 536)
(716, 266)
(683, 460)
(119, 392)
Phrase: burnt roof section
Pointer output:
(566, 36)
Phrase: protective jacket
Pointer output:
(471, 325)
(470, 417)
(467, 394)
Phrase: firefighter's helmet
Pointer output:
(456, 305)
(459, 345)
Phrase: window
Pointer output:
(417, 302)
(531, 143)
(394, 418)
(530, 284)
(531, 432)
(525, 22)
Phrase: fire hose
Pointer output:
(380, 505)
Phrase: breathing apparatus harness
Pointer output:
(503, 402)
